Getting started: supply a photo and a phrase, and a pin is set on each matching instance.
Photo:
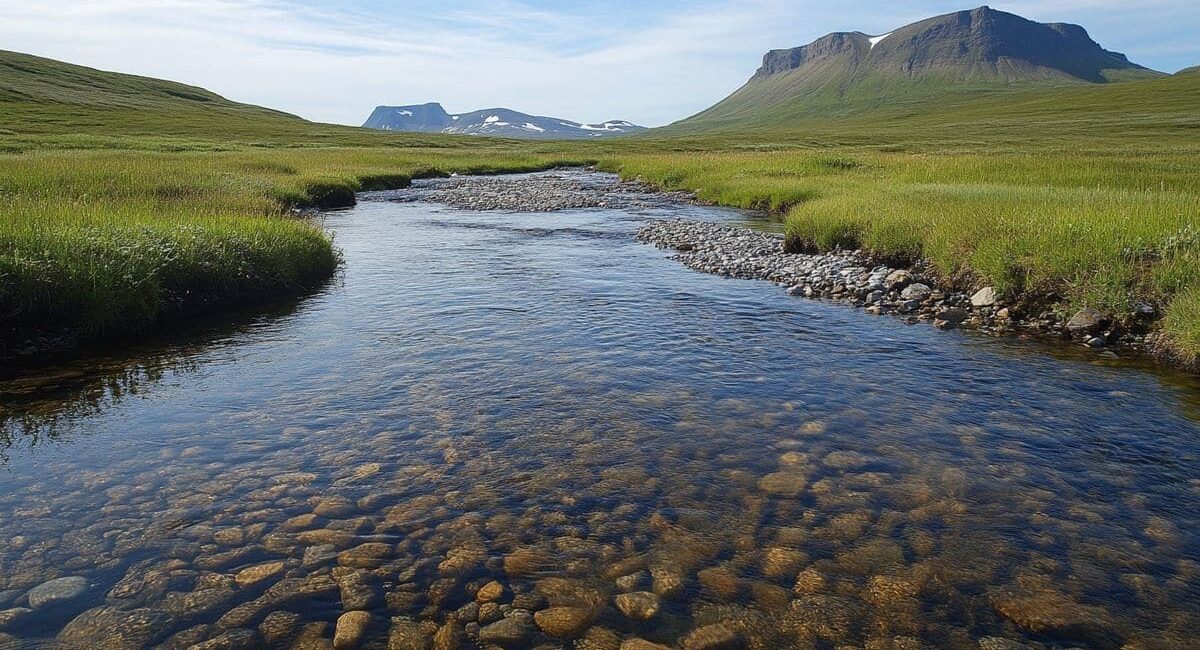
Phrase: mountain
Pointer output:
(961, 53)
(432, 118)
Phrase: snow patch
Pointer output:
(406, 113)
(876, 40)
(530, 126)
(492, 119)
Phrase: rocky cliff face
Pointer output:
(500, 122)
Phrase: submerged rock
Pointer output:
(350, 630)
(1058, 615)
(639, 605)
(113, 628)
(712, 637)
(786, 484)
(57, 591)
(511, 632)
(564, 622)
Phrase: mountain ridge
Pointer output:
(964, 52)
(498, 122)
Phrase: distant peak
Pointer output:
(498, 121)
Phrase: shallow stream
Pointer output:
(536, 399)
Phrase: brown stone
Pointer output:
(564, 622)
(1055, 614)
(639, 605)
(256, 574)
(720, 581)
(712, 637)
(490, 592)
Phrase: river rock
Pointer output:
(916, 291)
(1000, 643)
(953, 316)
(564, 622)
(898, 279)
(113, 628)
(365, 556)
(334, 507)
(782, 562)
(407, 634)
(350, 630)
(10, 618)
(358, 592)
(667, 579)
(720, 581)
(239, 639)
(490, 592)
(196, 604)
(253, 575)
(787, 484)
(1058, 615)
(712, 637)
(639, 605)
(450, 636)
(57, 591)
(280, 627)
(642, 644)
(985, 297)
(512, 632)
(1086, 321)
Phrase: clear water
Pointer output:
(539, 400)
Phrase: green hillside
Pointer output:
(47, 103)
(1153, 114)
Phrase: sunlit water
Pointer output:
(537, 399)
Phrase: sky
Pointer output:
(647, 62)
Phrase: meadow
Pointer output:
(119, 214)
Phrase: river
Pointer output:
(539, 401)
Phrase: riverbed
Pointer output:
(523, 428)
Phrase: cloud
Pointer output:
(606, 59)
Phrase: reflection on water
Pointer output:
(512, 430)
(39, 400)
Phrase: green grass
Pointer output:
(130, 203)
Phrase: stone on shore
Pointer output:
(985, 297)
(1086, 321)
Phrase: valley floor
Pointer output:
(117, 234)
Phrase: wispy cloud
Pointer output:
(600, 60)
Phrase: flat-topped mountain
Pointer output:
(966, 51)
(501, 122)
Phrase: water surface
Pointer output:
(538, 400)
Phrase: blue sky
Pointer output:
(651, 63)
